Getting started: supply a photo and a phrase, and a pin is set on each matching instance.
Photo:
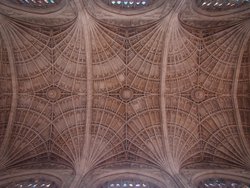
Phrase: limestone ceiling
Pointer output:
(169, 89)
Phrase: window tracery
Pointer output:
(36, 3)
(127, 4)
(222, 183)
(32, 183)
(221, 4)
(128, 183)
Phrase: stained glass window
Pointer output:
(222, 183)
(128, 3)
(36, 3)
(221, 4)
(32, 183)
(128, 183)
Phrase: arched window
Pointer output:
(221, 4)
(127, 183)
(222, 183)
(127, 4)
(31, 183)
(36, 3)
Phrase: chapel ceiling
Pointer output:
(82, 88)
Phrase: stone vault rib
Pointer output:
(6, 37)
(246, 37)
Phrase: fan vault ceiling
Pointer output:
(90, 95)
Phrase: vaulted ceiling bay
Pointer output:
(129, 93)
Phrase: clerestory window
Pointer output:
(128, 4)
(222, 183)
(221, 4)
(36, 3)
(128, 183)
